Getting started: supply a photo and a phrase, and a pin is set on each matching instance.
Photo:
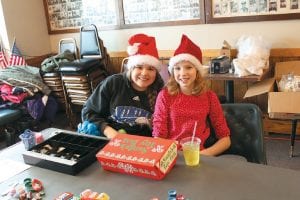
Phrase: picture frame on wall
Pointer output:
(228, 11)
(67, 16)
(140, 13)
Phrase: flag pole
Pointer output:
(14, 41)
(1, 44)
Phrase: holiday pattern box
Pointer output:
(137, 155)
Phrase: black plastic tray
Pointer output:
(68, 153)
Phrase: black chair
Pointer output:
(8, 119)
(53, 79)
(80, 77)
(68, 44)
(247, 135)
(90, 44)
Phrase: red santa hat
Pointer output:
(187, 51)
(142, 50)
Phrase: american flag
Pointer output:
(3, 60)
(16, 57)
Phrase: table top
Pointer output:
(287, 116)
(235, 77)
(215, 178)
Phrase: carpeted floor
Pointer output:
(277, 150)
(277, 145)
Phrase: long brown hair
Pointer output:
(200, 85)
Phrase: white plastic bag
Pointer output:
(253, 55)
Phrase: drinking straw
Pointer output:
(194, 132)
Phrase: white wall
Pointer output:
(3, 33)
(282, 34)
(26, 21)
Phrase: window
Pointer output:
(69, 15)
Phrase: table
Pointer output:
(229, 79)
(293, 136)
(294, 118)
(215, 178)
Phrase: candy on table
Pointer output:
(172, 193)
(38, 137)
(104, 196)
(29, 189)
(36, 185)
(180, 197)
(65, 196)
(90, 195)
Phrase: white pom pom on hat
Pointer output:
(133, 49)
(142, 50)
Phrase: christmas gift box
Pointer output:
(140, 156)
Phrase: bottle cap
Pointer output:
(172, 193)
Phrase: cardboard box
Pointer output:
(140, 156)
(280, 104)
(226, 49)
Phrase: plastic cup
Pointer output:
(27, 139)
(38, 137)
(191, 150)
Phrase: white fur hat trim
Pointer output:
(143, 59)
(185, 57)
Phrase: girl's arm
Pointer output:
(219, 124)
(109, 132)
(160, 116)
(96, 108)
(219, 147)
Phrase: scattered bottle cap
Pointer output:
(180, 197)
(172, 193)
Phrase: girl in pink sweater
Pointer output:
(186, 100)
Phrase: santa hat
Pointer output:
(142, 50)
(187, 51)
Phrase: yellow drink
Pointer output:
(191, 153)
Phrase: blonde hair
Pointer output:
(200, 85)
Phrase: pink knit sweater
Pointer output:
(175, 116)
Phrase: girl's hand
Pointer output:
(143, 121)
(110, 133)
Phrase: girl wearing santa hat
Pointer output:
(125, 102)
(186, 101)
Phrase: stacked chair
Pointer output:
(80, 77)
(53, 79)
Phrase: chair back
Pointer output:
(246, 127)
(68, 44)
(90, 44)
(124, 65)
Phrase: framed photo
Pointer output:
(67, 16)
(225, 11)
(162, 12)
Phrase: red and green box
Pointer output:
(140, 156)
